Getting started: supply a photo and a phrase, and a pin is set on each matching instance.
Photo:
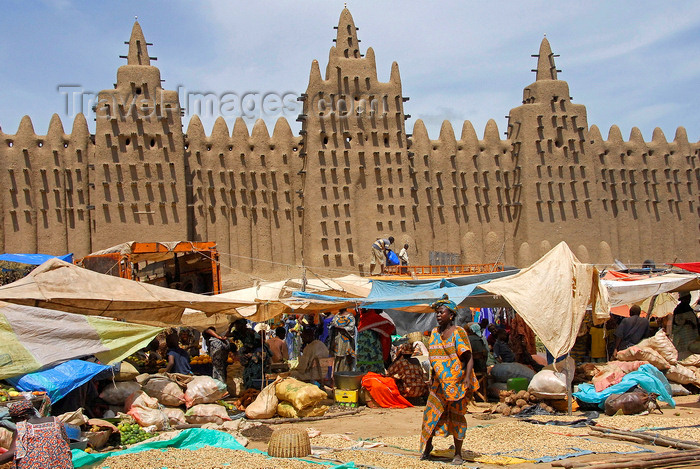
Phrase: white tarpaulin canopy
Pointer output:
(626, 292)
(552, 296)
(275, 298)
(56, 284)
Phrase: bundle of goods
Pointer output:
(204, 390)
(660, 352)
(631, 403)
(288, 398)
(512, 403)
(146, 410)
(501, 373)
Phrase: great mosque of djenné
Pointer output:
(352, 174)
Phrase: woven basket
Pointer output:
(414, 337)
(289, 443)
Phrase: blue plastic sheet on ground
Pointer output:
(33, 259)
(192, 439)
(647, 377)
(59, 380)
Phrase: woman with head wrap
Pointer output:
(453, 380)
(408, 373)
(38, 442)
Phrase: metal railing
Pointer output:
(444, 270)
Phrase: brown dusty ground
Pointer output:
(382, 423)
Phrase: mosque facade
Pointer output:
(352, 174)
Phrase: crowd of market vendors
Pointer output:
(470, 352)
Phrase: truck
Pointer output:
(182, 265)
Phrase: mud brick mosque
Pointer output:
(354, 173)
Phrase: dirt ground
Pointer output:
(386, 423)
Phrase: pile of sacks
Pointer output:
(659, 352)
(288, 398)
(158, 399)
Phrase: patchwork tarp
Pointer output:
(552, 296)
(33, 259)
(58, 285)
(34, 338)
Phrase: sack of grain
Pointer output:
(127, 372)
(548, 384)
(680, 374)
(663, 345)
(650, 355)
(146, 410)
(203, 390)
(300, 394)
(207, 413)
(265, 405)
(116, 393)
(693, 360)
(166, 391)
(176, 416)
(286, 409)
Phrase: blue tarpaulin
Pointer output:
(33, 259)
(59, 380)
(400, 294)
(647, 377)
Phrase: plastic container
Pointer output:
(517, 384)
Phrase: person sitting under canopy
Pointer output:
(309, 367)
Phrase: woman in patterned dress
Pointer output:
(373, 341)
(453, 379)
(343, 341)
(38, 442)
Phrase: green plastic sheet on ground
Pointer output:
(192, 439)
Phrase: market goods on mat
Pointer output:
(131, 433)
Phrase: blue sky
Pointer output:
(630, 63)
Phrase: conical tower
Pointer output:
(138, 165)
(548, 133)
(355, 176)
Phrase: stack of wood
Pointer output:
(512, 403)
